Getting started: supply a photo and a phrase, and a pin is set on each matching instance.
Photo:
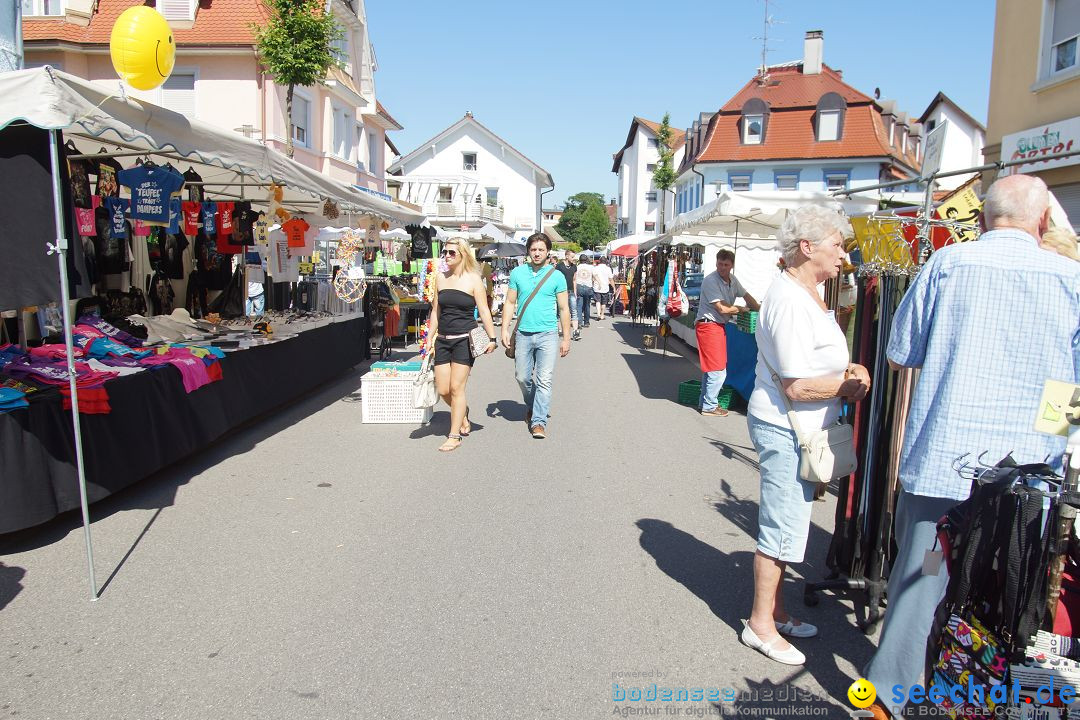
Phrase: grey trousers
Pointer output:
(913, 597)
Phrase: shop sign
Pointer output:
(1041, 141)
(307, 268)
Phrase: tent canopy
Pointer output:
(53, 100)
(636, 239)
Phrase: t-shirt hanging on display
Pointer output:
(282, 267)
(421, 240)
(151, 187)
(191, 211)
(215, 269)
(194, 192)
(84, 217)
(79, 170)
(107, 183)
(117, 209)
(175, 214)
(224, 219)
(155, 241)
(209, 218)
(262, 230)
(110, 246)
(172, 255)
(294, 231)
(244, 221)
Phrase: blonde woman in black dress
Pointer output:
(460, 294)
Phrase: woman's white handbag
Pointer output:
(424, 395)
(825, 454)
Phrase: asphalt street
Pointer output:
(311, 566)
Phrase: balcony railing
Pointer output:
(464, 212)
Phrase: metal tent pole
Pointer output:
(60, 250)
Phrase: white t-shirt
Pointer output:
(799, 340)
(601, 278)
(583, 276)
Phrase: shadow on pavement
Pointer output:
(440, 425)
(158, 491)
(658, 375)
(512, 410)
(724, 582)
(10, 585)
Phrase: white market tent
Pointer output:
(91, 115)
(637, 239)
(748, 224)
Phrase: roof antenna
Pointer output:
(763, 74)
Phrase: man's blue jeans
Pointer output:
(711, 385)
(534, 358)
(584, 296)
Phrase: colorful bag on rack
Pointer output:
(678, 304)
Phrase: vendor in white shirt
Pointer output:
(717, 308)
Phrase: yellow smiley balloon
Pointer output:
(862, 693)
(142, 47)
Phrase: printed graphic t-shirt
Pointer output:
(209, 218)
(151, 188)
(224, 219)
(294, 231)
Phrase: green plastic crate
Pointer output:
(690, 392)
(747, 321)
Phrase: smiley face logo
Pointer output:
(862, 693)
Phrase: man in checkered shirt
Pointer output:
(987, 322)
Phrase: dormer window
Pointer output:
(753, 129)
(468, 161)
(754, 122)
(829, 118)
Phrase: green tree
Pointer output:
(585, 221)
(295, 47)
(664, 174)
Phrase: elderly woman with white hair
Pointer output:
(799, 339)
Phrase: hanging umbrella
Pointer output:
(502, 250)
(630, 250)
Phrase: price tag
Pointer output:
(931, 564)
(1059, 408)
(356, 273)
(307, 268)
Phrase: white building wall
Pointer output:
(497, 166)
(635, 181)
(963, 146)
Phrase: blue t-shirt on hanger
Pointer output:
(209, 218)
(174, 214)
(117, 209)
(151, 188)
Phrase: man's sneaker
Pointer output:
(538, 432)
(715, 412)
(576, 335)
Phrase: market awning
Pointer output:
(50, 99)
(636, 239)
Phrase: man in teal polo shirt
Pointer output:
(537, 338)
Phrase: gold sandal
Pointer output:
(466, 424)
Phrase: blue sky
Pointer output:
(561, 80)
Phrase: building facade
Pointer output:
(339, 127)
(1035, 94)
(467, 176)
(799, 128)
(638, 203)
(964, 139)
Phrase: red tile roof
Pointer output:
(789, 135)
(788, 88)
(218, 22)
(390, 118)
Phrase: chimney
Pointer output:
(813, 49)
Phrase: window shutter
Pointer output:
(180, 10)
(178, 93)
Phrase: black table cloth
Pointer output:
(154, 423)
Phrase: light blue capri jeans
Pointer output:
(786, 501)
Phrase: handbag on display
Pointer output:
(678, 304)
(424, 395)
(510, 349)
(825, 454)
(478, 341)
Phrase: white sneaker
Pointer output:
(790, 656)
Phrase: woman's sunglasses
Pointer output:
(448, 253)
